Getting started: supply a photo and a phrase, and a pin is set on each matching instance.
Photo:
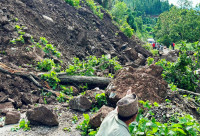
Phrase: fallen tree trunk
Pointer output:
(182, 91)
(99, 81)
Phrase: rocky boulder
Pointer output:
(42, 116)
(146, 82)
(81, 103)
(92, 93)
(170, 56)
(98, 117)
(12, 117)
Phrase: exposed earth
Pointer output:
(75, 32)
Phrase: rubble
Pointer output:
(146, 82)
(42, 116)
(80, 103)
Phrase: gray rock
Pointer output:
(47, 18)
(3, 97)
(6, 105)
(12, 117)
(42, 116)
(29, 98)
(80, 103)
(98, 117)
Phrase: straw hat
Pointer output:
(128, 105)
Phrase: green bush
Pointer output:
(96, 9)
(51, 78)
(126, 29)
(85, 127)
(46, 65)
(89, 66)
(101, 99)
(178, 125)
(74, 3)
(150, 61)
(181, 72)
(147, 46)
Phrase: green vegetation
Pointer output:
(51, 78)
(22, 125)
(180, 124)
(46, 65)
(61, 97)
(74, 3)
(150, 61)
(89, 66)
(74, 119)
(85, 127)
(185, 65)
(178, 24)
(20, 35)
(101, 99)
(66, 90)
(96, 9)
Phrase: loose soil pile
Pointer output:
(146, 82)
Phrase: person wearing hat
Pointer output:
(117, 121)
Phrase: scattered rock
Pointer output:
(170, 56)
(28, 98)
(47, 18)
(141, 60)
(6, 106)
(80, 103)
(42, 116)
(12, 117)
(131, 54)
(3, 97)
(98, 117)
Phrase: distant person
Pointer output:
(154, 45)
(117, 121)
(158, 46)
(173, 46)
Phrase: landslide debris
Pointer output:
(146, 82)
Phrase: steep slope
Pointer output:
(76, 32)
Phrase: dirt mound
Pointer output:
(146, 82)
(75, 32)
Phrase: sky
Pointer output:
(194, 2)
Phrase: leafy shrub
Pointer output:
(95, 9)
(46, 65)
(101, 99)
(85, 127)
(127, 30)
(20, 37)
(147, 46)
(67, 90)
(154, 52)
(89, 66)
(186, 126)
(74, 3)
(51, 78)
(61, 97)
(180, 125)
(22, 125)
(150, 61)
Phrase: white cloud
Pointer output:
(193, 1)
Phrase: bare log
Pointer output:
(100, 81)
(182, 91)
